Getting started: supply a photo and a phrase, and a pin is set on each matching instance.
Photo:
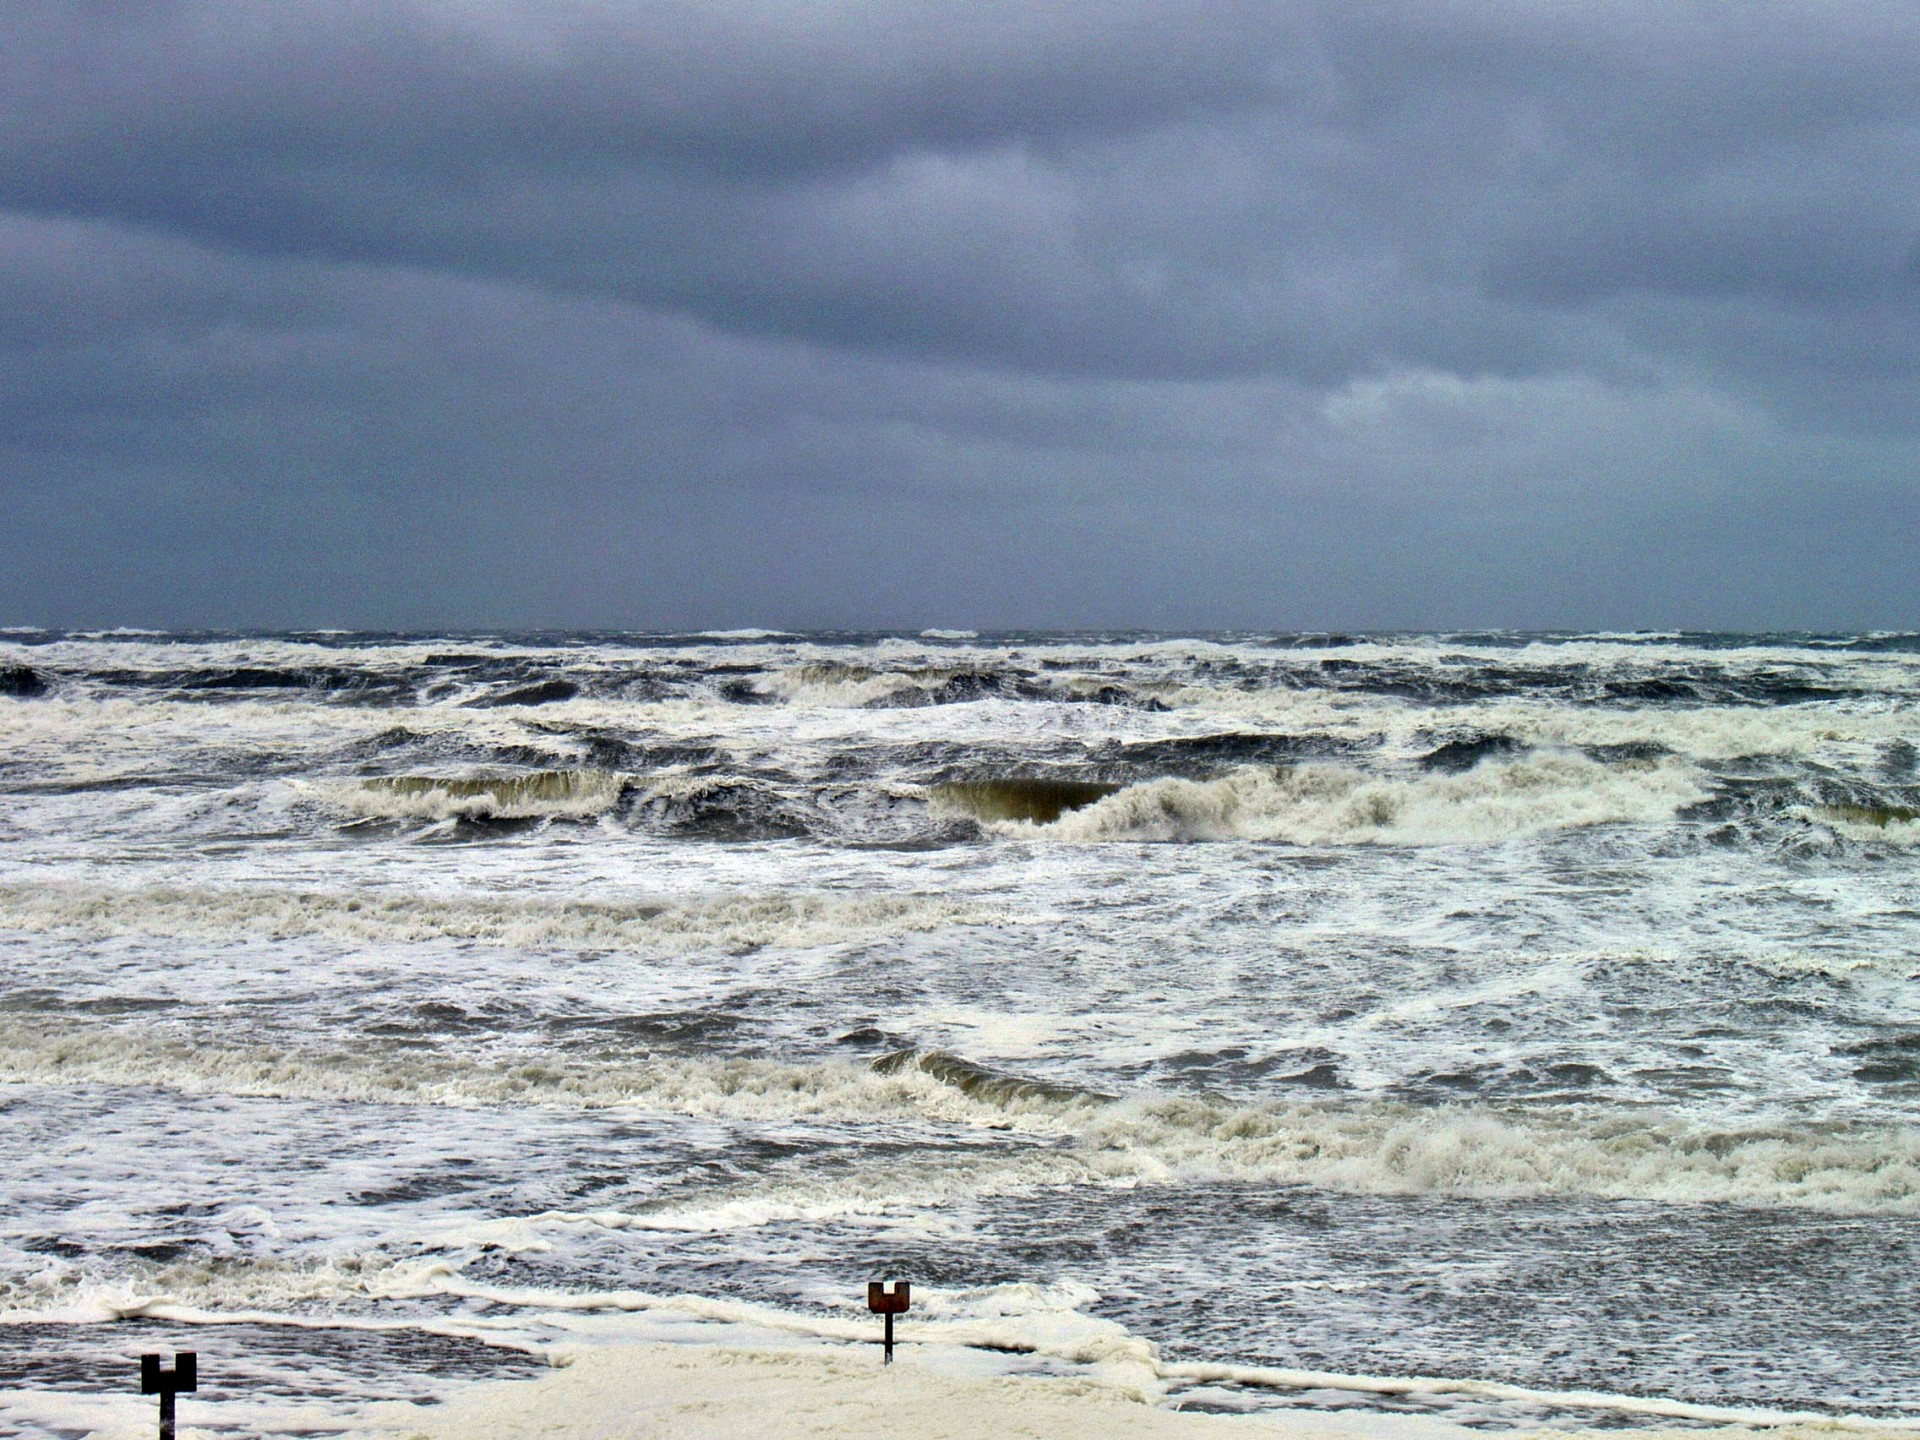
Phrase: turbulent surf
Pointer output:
(1535, 1013)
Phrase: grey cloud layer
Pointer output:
(1401, 308)
(1163, 189)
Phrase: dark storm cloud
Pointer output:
(1227, 303)
(1175, 188)
(758, 90)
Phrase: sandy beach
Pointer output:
(701, 1393)
(695, 1392)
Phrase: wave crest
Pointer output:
(1899, 824)
(1035, 799)
(729, 922)
(534, 795)
(1366, 1146)
(1335, 805)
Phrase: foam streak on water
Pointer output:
(1248, 1020)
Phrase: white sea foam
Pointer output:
(723, 1369)
(1894, 825)
(1363, 1146)
(837, 684)
(227, 1284)
(918, 1187)
(1336, 805)
(728, 922)
(1483, 1152)
(1705, 732)
(784, 1389)
(1731, 999)
(540, 794)
(1041, 1321)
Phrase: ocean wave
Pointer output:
(983, 1083)
(1335, 805)
(1705, 732)
(908, 1185)
(66, 1052)
(1367, 1146)
(1035, 799)
(843, 684)
(1381, 1147)
(221, 1283)
(540, 794)
(720, 807)
(1484, 1153)
(729, 922)
(21, 682)
(835, 684)
(1898, 824)
(832, 683)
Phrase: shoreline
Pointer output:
(718, 1392)
(779, 1383)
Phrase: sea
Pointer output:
(1515, 1030)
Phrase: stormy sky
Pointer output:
(1168, 313)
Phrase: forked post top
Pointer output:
(184, 1376)
(884, 1302)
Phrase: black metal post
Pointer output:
(888, 1303)
(185, 1375)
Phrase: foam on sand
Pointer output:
(693, 1391)
(1017, 1359)
(703, 1393)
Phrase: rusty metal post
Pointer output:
(889, 1304)
(185, 1375)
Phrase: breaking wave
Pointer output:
(649, 926)
(1036, 800)
(1360, 1146)
(1334, 805)
(540, 794)
(979, 1082)
(839, 684)
(720, 807)
(1897, 823)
